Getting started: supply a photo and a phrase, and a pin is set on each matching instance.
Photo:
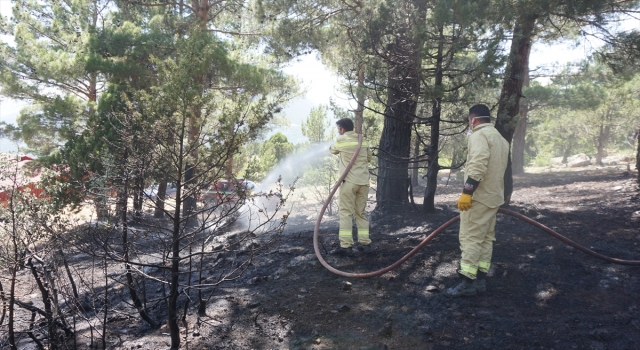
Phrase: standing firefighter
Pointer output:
(481, 197)
(354, 189)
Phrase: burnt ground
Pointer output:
(540, 292)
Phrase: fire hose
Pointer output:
(439, 230)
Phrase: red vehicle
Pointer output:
(17, 177)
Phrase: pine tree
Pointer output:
(47, 66)
(549, 13)
(316, 125)
(461, 59)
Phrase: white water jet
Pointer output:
(293, 166)
(255, 213)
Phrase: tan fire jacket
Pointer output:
(487, 162)
(345, 146)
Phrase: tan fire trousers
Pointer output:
(353, 201)
(477, 233)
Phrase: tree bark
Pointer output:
(518, 146)
(125, 249)
(100, 204)
(395, 141)
(360, 96)
(509, 103)
(48, 309)
(13, 271)
(172, 300)
(131, 287)
(103, 336)
(189, 203)
(416, 166)
(599, 147)
(4, 304)
(517, 152)
(30, 331)
(602, 140)
(160, 199)
(434, 138)
(638, 154)
(174, 328)
(138, 196)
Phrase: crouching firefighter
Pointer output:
(481, 197)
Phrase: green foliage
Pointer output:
(27, 201)
(623, 54)
(274, 150)
(45, 126)
(543, 158)
(47, 66)
(583, 112)
(316, 125)
(555, 133)
(166, 121)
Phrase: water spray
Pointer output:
(291, 167)
(286, 172)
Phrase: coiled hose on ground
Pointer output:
(438, 231)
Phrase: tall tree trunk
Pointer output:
(13, 272)
(160, 199)
(125, 249)
(72, 282)
(101, 205)
(131, 285)
(103, 336)
(603, 139)
(416, 166)
(395, 142)
(599, 146)
(360, 96)
(121, 202)
(4, 304)
(174, 328)
(566, 153)
(172, 300)
(138, 197)
(638, 154)
(518, 146)
(201, 8)
(509, 103)
(202, 303)
(189, 202)
(48, 308)
(434, 138)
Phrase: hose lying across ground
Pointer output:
(438, 231)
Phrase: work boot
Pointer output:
(466, 287)
(481, 285)
(342, 251)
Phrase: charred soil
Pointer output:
(540, 292)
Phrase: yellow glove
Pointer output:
(464, 202)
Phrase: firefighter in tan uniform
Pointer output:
(481, 197)
(354, 189)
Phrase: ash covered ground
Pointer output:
(540, 292)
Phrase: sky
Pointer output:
(321, 85)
